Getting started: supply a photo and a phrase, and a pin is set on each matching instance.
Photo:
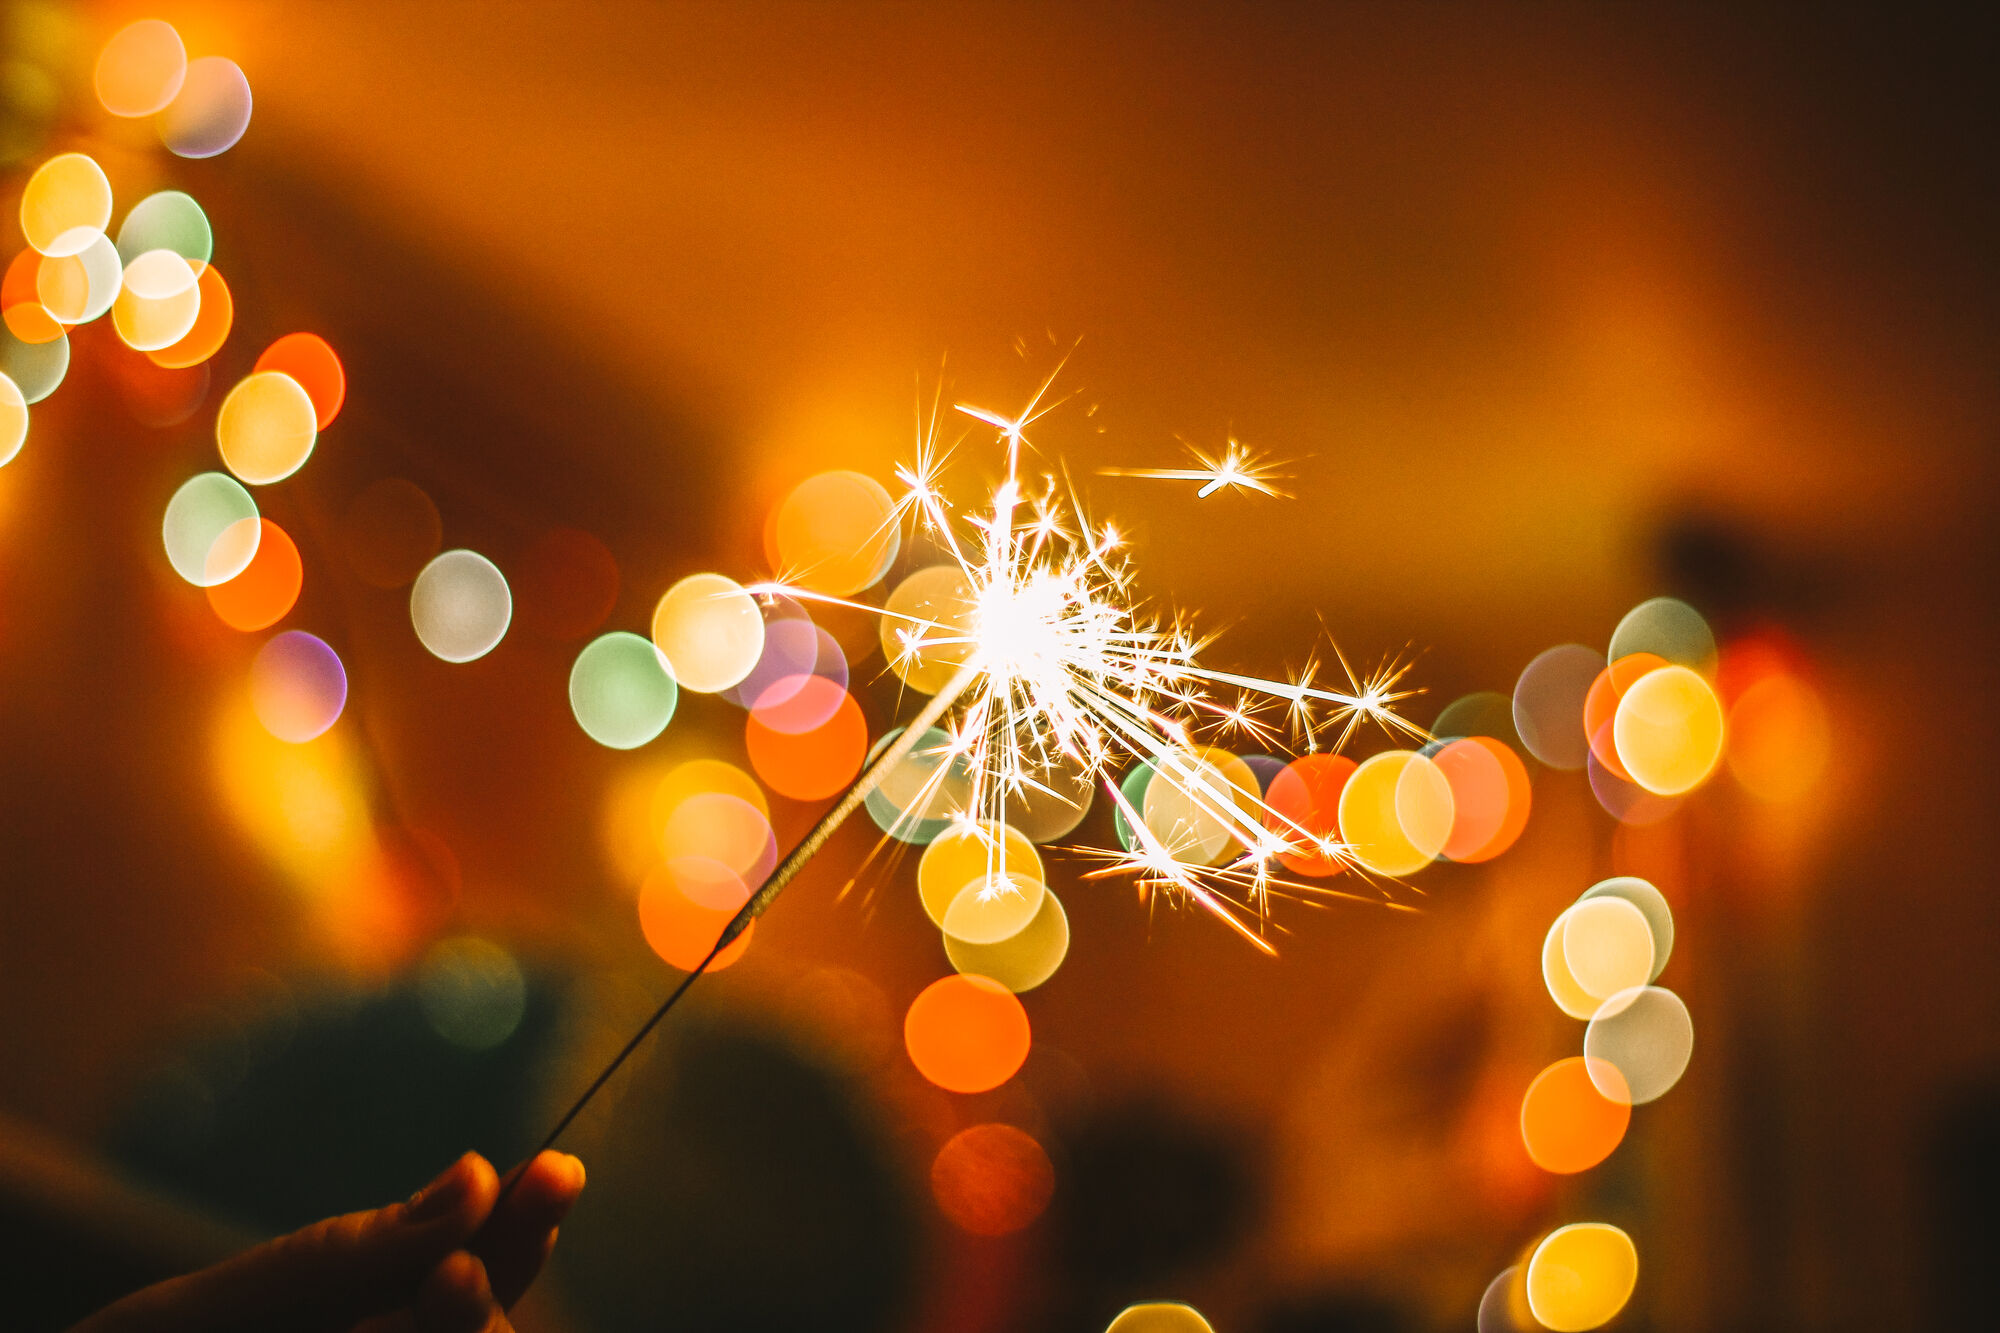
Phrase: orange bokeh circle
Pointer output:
(1567, 1124)
(307, 358)
(1305, 795)
(992, 1179)
(1490, 795)
(211, 325)
(966, 1033)
(683, 906)
(811, 765)
(265, 592)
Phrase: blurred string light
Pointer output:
(992, 1179)
(141, 69)
(210, 112)
(966, 1034)
(622, 690)
(566, 585)
(266, 427)
(1581, 1276)
(168, 220)
(13, 420)
(210, 529)
(267, 588)
(297, 686)
(314, 366)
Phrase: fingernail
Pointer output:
(442, 1195)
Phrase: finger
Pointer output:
(329, 1275)
(457, 1298)
(517, 1238)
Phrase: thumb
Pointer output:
(325, 1276)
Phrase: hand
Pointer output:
(447, 1261)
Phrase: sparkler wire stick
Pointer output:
(759, 902)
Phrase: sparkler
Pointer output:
(1059, 678)
(1238, 468)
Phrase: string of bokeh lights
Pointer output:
(1649, 720)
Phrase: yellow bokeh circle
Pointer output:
(1570, 997)
(967, 853)
(1396, 813)
(1607, 946)
(159, 302)
(711, 630)
(1668, 730)
(266, 428)
(1581, 1275)
(921, 623)
(141, 68)
(13, 420)
(1024, 960)
(65, 205)
(1159, 1317)
(835, 533)
(993, 908)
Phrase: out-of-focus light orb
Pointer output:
(1780, 738)
(211, 325)
(13, 420)
(307, 358)
(1132, 789)
(211, 111)
(1652, 904)
(1567, 1125)
(199, 516)
(1187, 805)
(472, 992)
(1504, 1307)
(76, 289)
(799, 703)
(622, 690)
(1548, 704)
(1304, 806)
(26, 318)
(389, 532)
(305, 807)
(815, 764)
(1624, 800)
(266, 427)
(1490, 797)
(460, 606)
(993, 908)
(711, 630)
(37, 369)
(696, 777)
(790, 653)
(160, 302)
(925, 658)
(1056, 795)
(835, 533)
(1570, 997)
(683, 907)
(724, 828)
(992, 1179)
(918, 797)
(966, 854)
(1025, 959)
(1482, 713)
(297, 686)
(1669, 730)
(141, 68)
(1581, 1275)
(966, 1034)
(169, 220)
(1647, 1036)
(1600, 706)
(1607, 946)
(1668, 628)
(1159, 1317)
(65, 205)
(1396, 813)
(267, 588)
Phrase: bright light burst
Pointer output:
(1239, 468)
(1063, 679)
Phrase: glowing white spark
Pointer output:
(1238, 468)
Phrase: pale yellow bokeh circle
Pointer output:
(1607, 946)
(1396, 813)
(1581, 1275)
(1159, 1317)
(266, 428)
(13, 420)
(1570, 997)
(926, 611)
(1668, 730)
(1022, 961)
(1195, 804)
(158, 303)
(711, 630)
(65, 205)
(962, 854)
(994, 908)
